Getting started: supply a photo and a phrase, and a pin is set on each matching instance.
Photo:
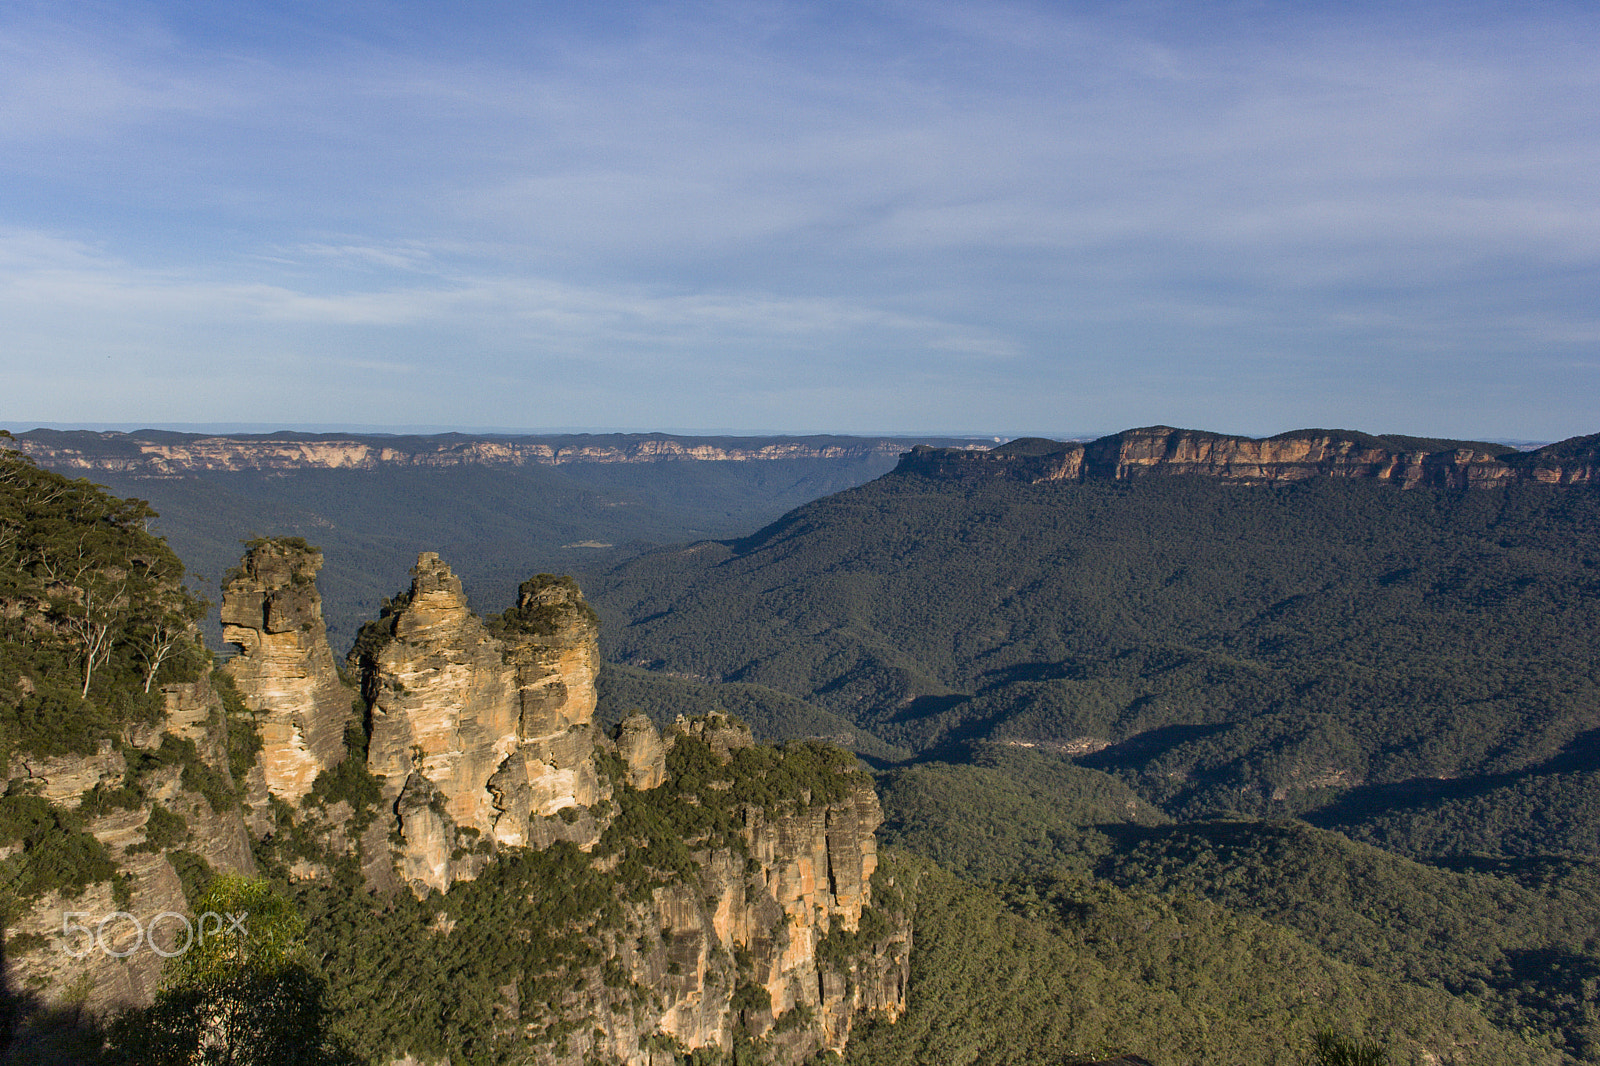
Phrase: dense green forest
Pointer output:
(1229, 651)
(1063, 967)
(772, 715)
(1515, 939)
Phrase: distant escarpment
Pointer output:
(1294, 456)
(152, 453)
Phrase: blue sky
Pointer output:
(962, 217)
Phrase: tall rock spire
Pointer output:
(482, 733)
(285, 670)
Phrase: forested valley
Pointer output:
(1360, 716)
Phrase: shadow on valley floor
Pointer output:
(1010, 675)
(924, 707)
(1581, 755)
(1532, 870)
(1150, 744)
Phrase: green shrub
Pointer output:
(161, 831)
(55, 853)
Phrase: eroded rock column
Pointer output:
(285, 671)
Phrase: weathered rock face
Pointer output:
(640, 746)
(817, 865)
(769, 937)
(1294, 456)
(721, 734)
(47, 959)
(779, 918)
(481, 736)
(285, 670)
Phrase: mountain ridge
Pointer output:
(164, 453)
(1293, 456)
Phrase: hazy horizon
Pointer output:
(260, 428)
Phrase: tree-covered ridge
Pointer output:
(1062, 969)
(996, 812)
(1520, 816)
(1230, 650)
(773, 716)
(1519, 943)
(93, 613)
(1514, 941)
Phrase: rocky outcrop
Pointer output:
(817, 866)
(738, 882)
(642, 749)
(285, 671)
(723, 735)
(158, 824)
(1294, 456)
(481, 735)
(775, 936)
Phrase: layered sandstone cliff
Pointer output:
(1294, 456)
(174, 454)
(775, 937)
(158, 801)
(737, 903)
(285, 671)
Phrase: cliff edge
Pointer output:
(1294, 456)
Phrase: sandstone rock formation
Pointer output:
(759, 923)
(285, 671)
(482, 735)
(641, 747)
(805, 876)
(1293, 456)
